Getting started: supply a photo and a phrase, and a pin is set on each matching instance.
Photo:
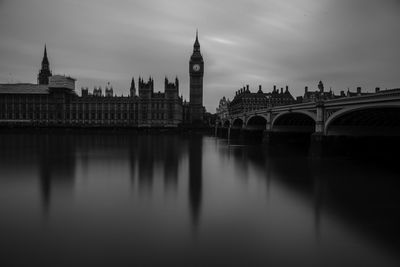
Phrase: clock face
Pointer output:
(196, 67)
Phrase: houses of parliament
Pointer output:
(53, 101)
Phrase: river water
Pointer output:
(125, 198)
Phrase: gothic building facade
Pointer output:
(53, 101)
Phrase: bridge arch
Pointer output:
(294, 121)
(280, 115)
(374, 119)
(253, 116)
(226, 123)
(237, 123)
(257, 122)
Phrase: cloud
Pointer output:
(222, 41)
(267, 42)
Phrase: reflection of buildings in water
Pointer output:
(84, 157)
(56, 165)
(280, 163)
(146, 153)
(195, 176)
(152, 153)
(172, 153)
(318, 193)
(53, 153)
(289, 165)
(133, 158)
(360, 193)
(241, 163)
(56, 152)
(146, 162)
(149, 153)
(363, 193)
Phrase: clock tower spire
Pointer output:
(196, 72)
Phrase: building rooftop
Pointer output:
(23, 88)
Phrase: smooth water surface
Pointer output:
(79, 198)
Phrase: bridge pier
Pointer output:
(222, 132)
(236, 133)
(267, 136)
(268, 126)
(317, 145)
(320, 119)
(318, 138)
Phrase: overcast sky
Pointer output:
(344, 43)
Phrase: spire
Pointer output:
(44, 73)
(45, 59)
(196, 46)
(133, 88)
(133, 83)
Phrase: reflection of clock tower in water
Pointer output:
(196, 71)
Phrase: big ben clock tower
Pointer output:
(196, 71)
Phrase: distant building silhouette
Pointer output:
(222, 109)
(358, 92)
(319, 94)
(53, 101)
(245, 100)
(277, 98)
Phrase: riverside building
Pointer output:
(53, 101)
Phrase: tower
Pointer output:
(321, 87)
(171, 89)
(44, 73)
(146, 89)
(196, 71)
(133, 88)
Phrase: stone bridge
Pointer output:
(376, 114)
